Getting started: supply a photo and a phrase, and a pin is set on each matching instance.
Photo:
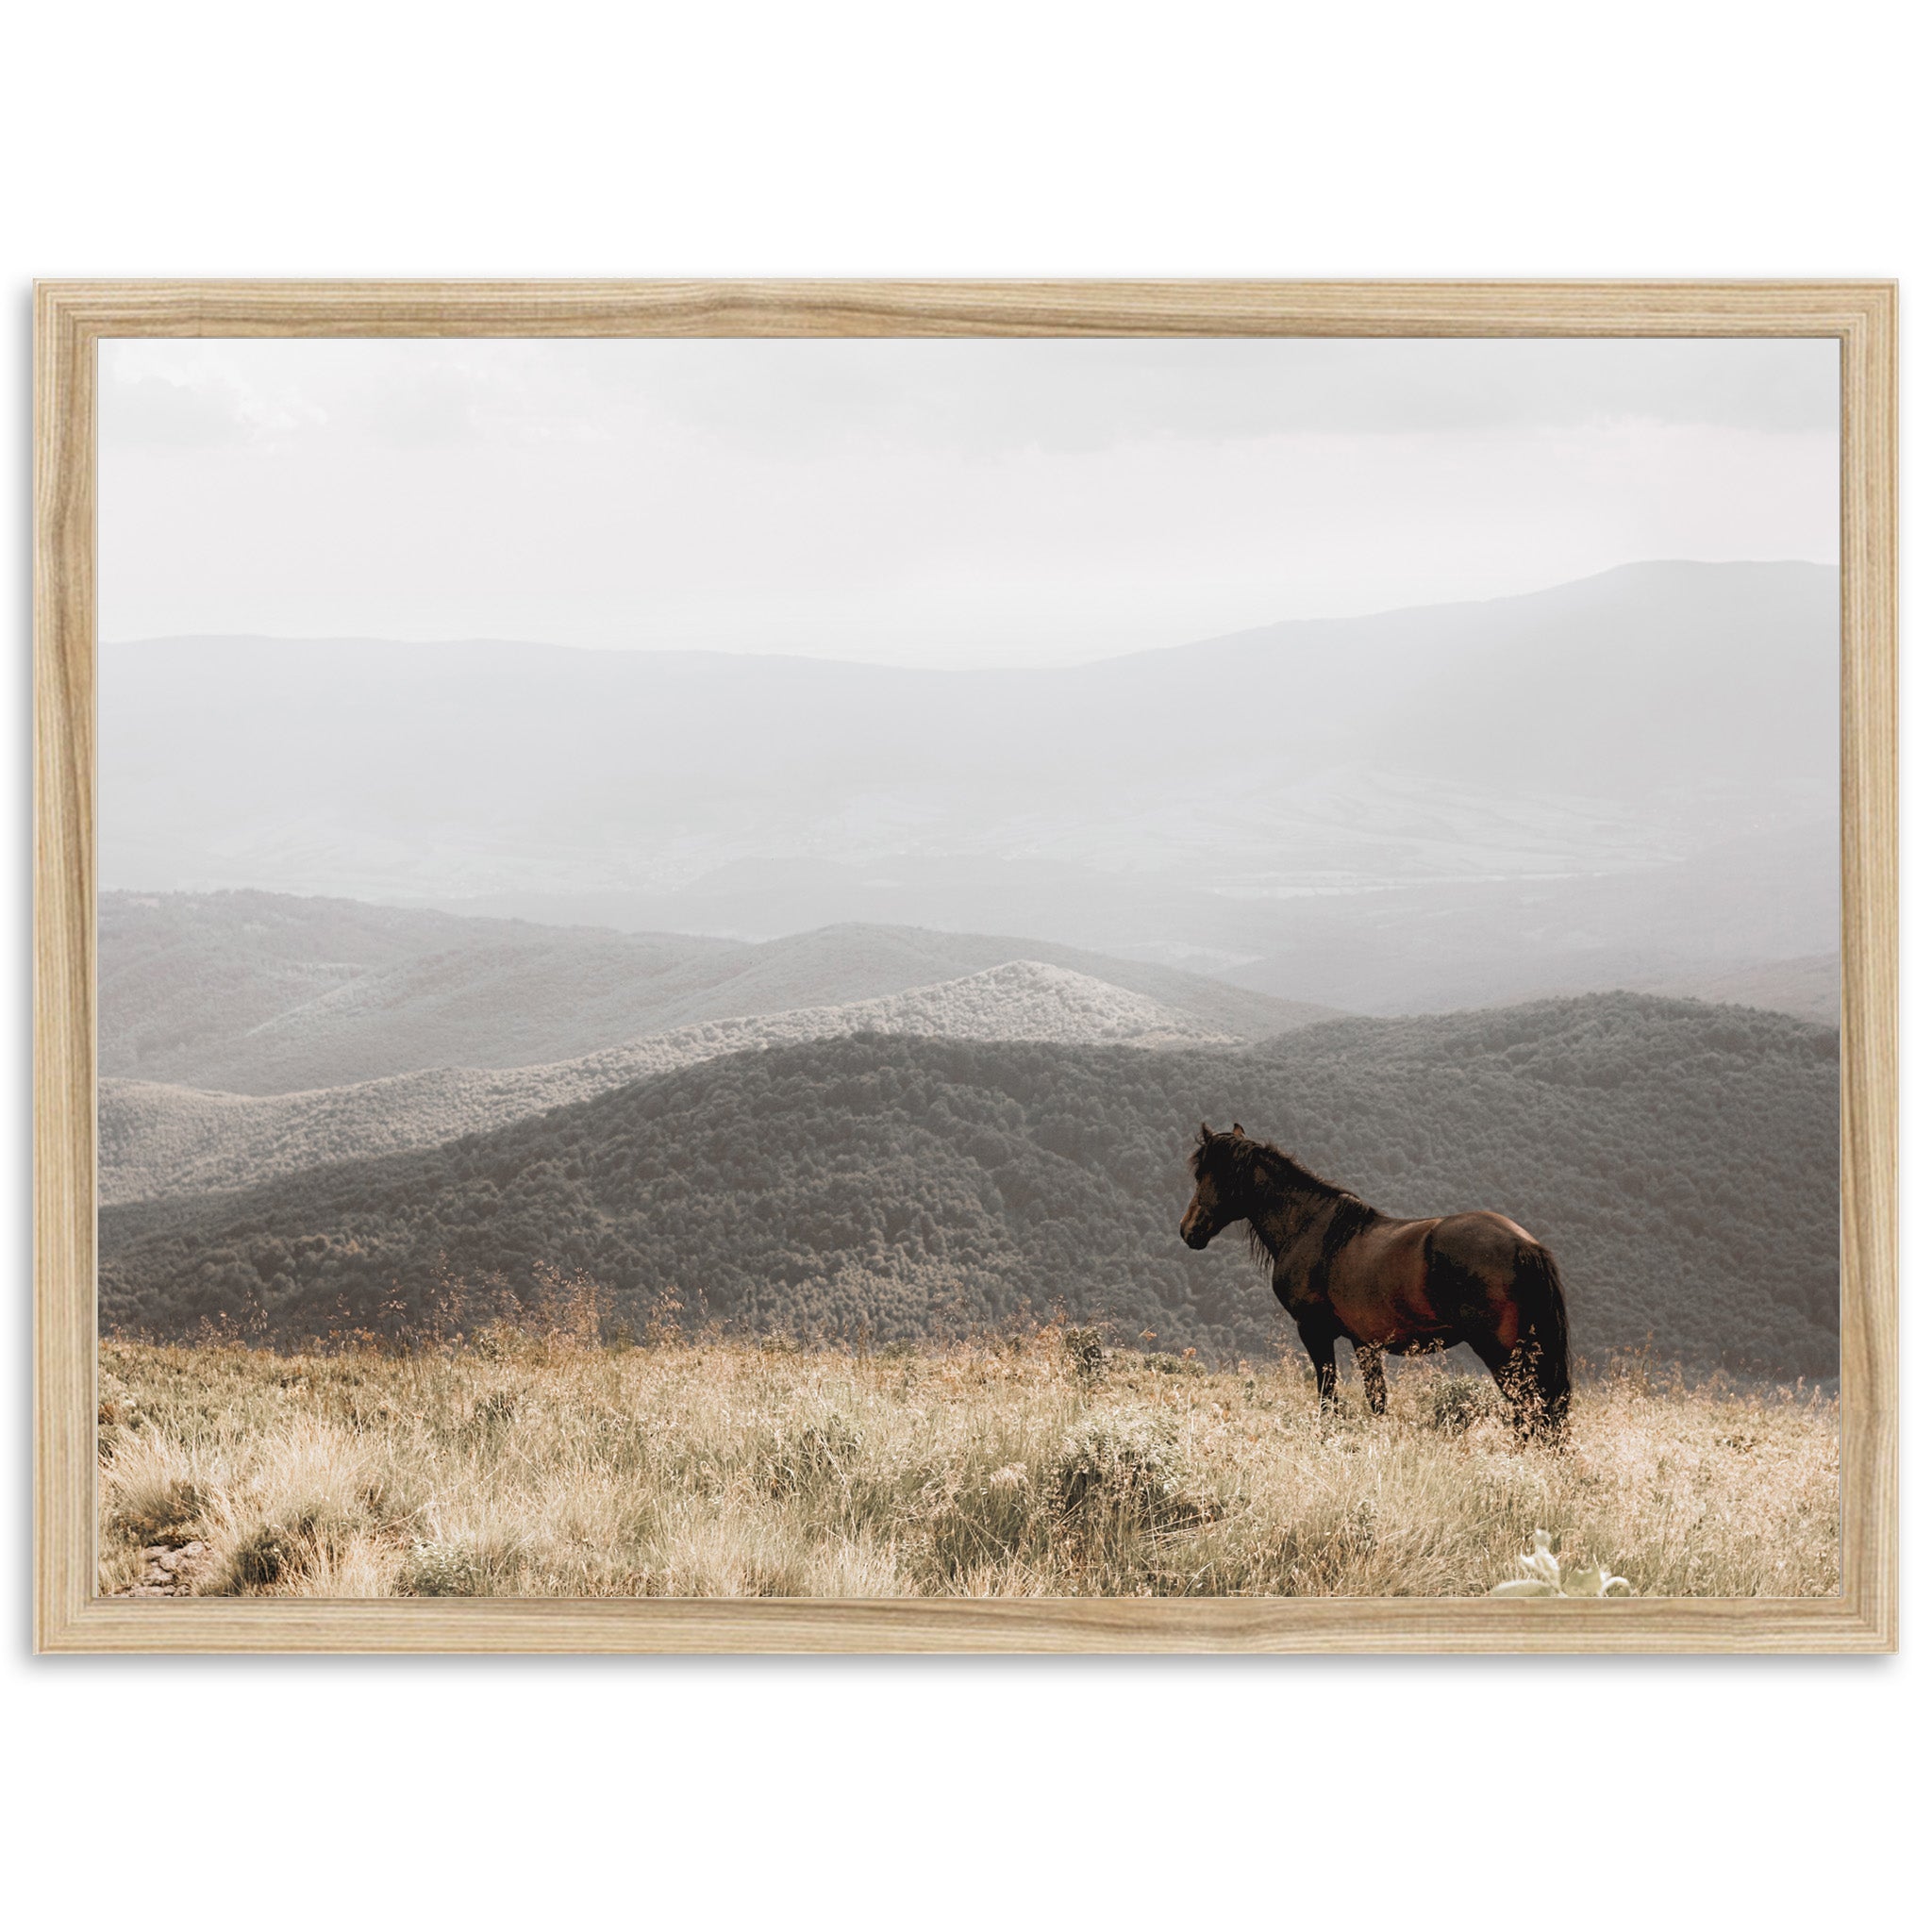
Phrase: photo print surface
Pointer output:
(936, 967)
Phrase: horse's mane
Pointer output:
(1249, 1160)
(1252, 1164)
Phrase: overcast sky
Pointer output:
(928, 502)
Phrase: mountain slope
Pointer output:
(266, 991)
(1681, 1160)
(258, 993)
(158, 1140)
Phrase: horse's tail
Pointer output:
(1545, 1336)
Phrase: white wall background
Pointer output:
(1684, 138)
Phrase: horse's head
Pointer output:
(1219, 1165)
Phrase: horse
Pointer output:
(1343, 1271)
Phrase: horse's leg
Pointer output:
(1368, 1363)
(1319, 1338)
(1512, 1377)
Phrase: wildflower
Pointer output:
(1543, 1576)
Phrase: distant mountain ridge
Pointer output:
(159, 1140)
(257, 992)
(1189, 799)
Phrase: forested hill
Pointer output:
(1681, 1160)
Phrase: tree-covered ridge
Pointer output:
(1680, 1159)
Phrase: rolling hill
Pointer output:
(159, 1140)
(266, 991)
(1680, 1159)
(259, 993)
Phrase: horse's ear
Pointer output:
(1207, 1133)
(1237, 1130)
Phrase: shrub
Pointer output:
(266, 1555)
(1124, 1462)
(443, 1569)
(1456, 1403)
(1188, 1364)
(1085, 1356)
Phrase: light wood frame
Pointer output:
(71, 317)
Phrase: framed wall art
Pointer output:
(966, 966)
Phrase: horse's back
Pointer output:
(1482, 1241)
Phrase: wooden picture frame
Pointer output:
(73, 317)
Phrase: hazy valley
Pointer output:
(1313, 806)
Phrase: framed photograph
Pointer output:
(964, 966)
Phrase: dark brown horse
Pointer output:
(1343, 1271)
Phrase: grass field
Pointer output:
(1030, 1465)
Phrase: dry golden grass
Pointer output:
(541, 1466)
